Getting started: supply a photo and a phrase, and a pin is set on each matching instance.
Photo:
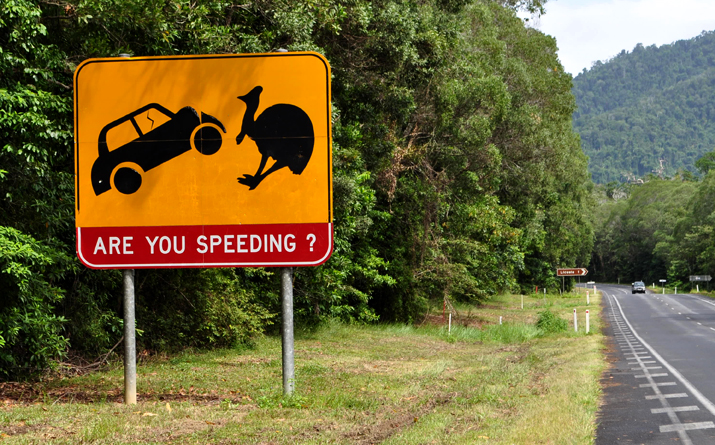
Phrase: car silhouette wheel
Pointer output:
(127, 180)
(206, 139)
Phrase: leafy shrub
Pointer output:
(549, 323)
(30, 332)
(178, 308)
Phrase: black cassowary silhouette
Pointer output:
(283, 132)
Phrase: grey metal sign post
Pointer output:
(287, 330)
(130, 343)
(130, 339)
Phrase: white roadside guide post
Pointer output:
(588, 323)
(575, 321)
(588, 300)
(265, 236)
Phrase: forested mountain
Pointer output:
(457, 174)
(649, 105)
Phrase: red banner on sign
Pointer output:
(254, 245)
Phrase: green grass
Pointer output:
(481, 382)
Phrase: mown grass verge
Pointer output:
(480, 383)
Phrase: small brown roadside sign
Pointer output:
(577, 272)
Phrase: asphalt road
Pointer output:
(661, 385)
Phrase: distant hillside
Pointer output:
(647, 105)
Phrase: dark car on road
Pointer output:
(159, 136)
(638, 287)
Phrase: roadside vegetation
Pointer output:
(393, 383)
(659, 230)
(456, 172)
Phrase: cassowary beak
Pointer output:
(254, 92)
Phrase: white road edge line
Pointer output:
(698, 395)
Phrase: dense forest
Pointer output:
(457, 174)
(650, 110)
(661, 229)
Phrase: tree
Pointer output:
(706, 163)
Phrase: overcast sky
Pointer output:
(591, 30)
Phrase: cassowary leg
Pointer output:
(260, 177)
(253, 180)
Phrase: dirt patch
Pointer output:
(185, 427)
(401, 420)
(469, 320)
(19, 429)
(25, 394)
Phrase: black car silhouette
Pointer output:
(179, 133)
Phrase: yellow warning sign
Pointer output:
(203, 140)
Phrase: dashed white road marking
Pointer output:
(651, 385)
(675, 409)
(686, 427)
(678, 395)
